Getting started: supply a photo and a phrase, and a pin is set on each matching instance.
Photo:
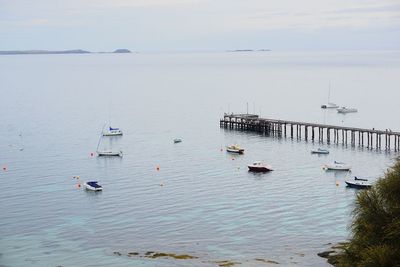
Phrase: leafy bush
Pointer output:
(376, 227)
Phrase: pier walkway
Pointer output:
(369, 138)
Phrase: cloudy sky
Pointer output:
(201, 25)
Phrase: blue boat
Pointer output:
(93, 186)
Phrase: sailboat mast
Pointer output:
(329, 92)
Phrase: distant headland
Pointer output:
(249, 50)
(47, 52)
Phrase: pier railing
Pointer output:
(370, 138)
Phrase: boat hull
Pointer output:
(112, 134)
(319, 152)
(358, 184)
(338, 167)
(259, 169)
(109, 154)
(344, 111)
(237, 151)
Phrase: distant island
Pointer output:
(47, 52)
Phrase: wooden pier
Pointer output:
(369, 138)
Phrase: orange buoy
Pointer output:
(337, 183)
(158, 168)
(4, 168)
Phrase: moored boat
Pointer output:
(235, 149)
(109, 153)
(257, 166)
(346, 110)
(337, 166)
(112, 132)
(320, 151)
(177, 140)
(358, 183)
(93, 186)
(329, 105)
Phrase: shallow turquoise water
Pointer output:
(210, 206)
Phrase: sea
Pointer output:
(191, 198)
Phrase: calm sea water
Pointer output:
(54, 107)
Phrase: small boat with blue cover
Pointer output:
(93, 186)
(112, 132)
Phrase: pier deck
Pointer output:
(313, 131)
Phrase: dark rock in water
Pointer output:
(133, 254)
(122, 51)
(333, 255)
(226, 263)
(267, 261)
(325, 254)
(153, 255)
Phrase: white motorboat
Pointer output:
(109, 153)
(358, 183)
(346, 110)
(320, 151)
(257, 166)
(112, 132)
(338, 166)
(93, 186)
(330, 105)
(235, 149)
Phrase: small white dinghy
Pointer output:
(235, 149)
(320, 151)
(337, 166)
(345, 110)
(257, 166)
(109, 153)
(93, 186)
(112, 132)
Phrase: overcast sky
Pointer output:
(181, 25)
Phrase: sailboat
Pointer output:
(107, 153)
(330, 104)
(110, 131)
(22, 147)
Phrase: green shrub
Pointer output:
(376, 227)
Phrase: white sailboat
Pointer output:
(330, 104)
(107, 152)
